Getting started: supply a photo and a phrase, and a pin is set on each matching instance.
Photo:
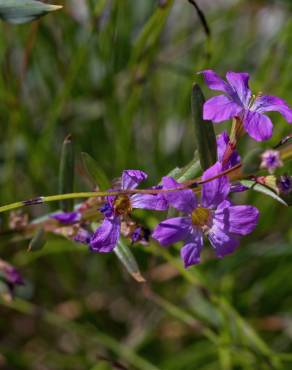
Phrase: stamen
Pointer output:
(201, 216)
(122, 205)
(252, 100)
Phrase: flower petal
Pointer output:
(240, 220)
(267, 103)
(149, 201)
(215, 82)
(106, 236)
(183, 200)
(258, 126)
(222, 143)
(190, 252)
(237, 187)
(239, 83)
(132, 178)
(172, 230)
(83, 236)
(220, 108)
(214, 191)
(223, 242)
(67, 217)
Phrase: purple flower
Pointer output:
(214, 216)
(239, 101)
(271, 160)
(106, 236)
(67, 217)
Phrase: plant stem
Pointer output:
(53, 198)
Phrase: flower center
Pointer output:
(122, 205)
(253, 99)
(201, 216)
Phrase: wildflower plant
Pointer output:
(200, 207)
(201, 199)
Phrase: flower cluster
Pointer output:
(210, 215)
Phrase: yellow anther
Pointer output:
(122, 205)
(201, 216)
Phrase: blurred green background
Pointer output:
(117, 75)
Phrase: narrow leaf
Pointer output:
(38, 241)
(94, 171)
(204, 131)
(125, 255)
(262, 189)
(188, 172)
(23, 11)
(66, 173)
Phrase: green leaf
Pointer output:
(204, 131)
(251, 184)
(94, 171)
(125, 255)
(252, 161)
(188, 172)
(38, 241)
(66, 173)
(23, 11)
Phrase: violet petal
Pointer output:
(240, 219)
(267, 103)
(239, 83)
(215, 82)
(220, 108)
(182, 200)
(83, 236)
(106, 236)
(172, 230)
(67, 217)
(190, 252)
(258, 126)
(149, 201)
(237, 187)
(132, 178)
(223, 242)
(214, 191)
(222, 143)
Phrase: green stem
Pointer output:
(53, 198)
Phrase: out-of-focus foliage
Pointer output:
(117, 75)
